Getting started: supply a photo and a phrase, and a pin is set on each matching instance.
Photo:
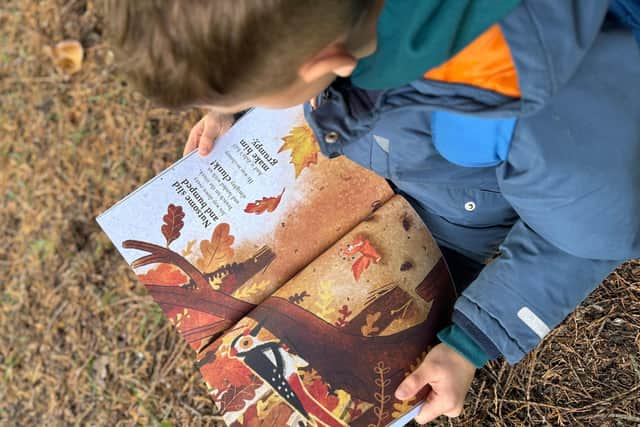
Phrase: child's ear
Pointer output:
(333, 59)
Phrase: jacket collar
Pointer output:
(414, 37)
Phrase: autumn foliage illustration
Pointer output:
(163, 274)
(234, 385)
(304, 148)
(280, 340)
(267, 204)
(217, 250)
(368, 255)
(196, 288)
(173, 223)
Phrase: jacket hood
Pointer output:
(547, 39)
(413, 37)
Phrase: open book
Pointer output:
(307, 288)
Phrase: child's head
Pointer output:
(233, 54)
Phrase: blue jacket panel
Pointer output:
(525, 292)
(390, 133)
(563, 203)
(548, 40)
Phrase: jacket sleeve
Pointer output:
(571, 175)
(524, 293)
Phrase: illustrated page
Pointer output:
(330, 346)
(213, 236)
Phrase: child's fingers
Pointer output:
(194, 136)
(433, 407)
(413, 383)
(210, 132)
(439, 401)
(205, 145)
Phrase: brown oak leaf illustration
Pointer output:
(277, 416)
(267, 204)
(297, 298)
(216, 251)
(172, 223)
(304, 147)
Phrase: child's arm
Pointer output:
(515, 301)
(524, 293)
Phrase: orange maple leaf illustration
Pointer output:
(304, 147)
(163, 274)
(361, 245)
(267, 204)
(216, 251)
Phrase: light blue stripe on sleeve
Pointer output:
(471, 141)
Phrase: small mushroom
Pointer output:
(67, 56)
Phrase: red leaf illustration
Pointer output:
(361, 245)
(227, 371)
(267, 204)
(319, 390)
(232, 382)
(237, 397)
(359, 266)
(172, 223)
(342, 321)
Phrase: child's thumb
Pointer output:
(413, 383)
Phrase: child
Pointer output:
(513, 127)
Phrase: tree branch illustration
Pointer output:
(385, 306)
(324, 345)
(428, 288)
(161, 254)
(203, 298)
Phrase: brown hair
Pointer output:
(181, 53)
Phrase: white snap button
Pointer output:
(470, 206)
(331, 137)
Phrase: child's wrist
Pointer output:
(457, 339)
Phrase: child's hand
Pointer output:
(449, 374)
(205, 132)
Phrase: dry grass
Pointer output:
(81, 343)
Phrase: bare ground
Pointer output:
(80, 341)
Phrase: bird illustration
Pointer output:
(275, 364)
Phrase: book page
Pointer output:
(212, 236)
(332, 344)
